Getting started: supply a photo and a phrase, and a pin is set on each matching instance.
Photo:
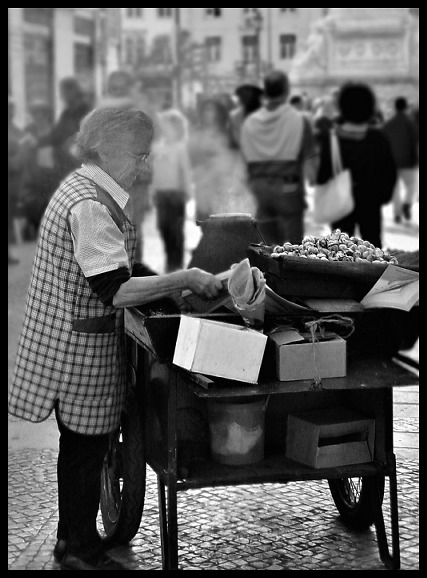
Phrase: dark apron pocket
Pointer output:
(105, 324)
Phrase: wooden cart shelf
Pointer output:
(163, 389)
(274, 468)
(365, 373)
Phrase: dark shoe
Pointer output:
(397, 219)
(406, 210)
(109, 543)
(103, 562)
(59, 550)
(61, 547)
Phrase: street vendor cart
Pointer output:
(166, 425)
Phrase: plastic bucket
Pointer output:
(237, 430)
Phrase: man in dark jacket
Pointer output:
(61, 136)
(17, 155)
(403, 136)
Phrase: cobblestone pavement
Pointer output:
(294, 526)
(259, 527)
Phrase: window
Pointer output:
(134, 12)
(283, 10)
(84, 66)
(83, 59)
(287, 45)
(130, 51)
(38, 67)
(213, 48)
(213, 12)
(140, 49)
(161, 50)
(250, 48)
(84, 26)
(42, 16)
(164, 12)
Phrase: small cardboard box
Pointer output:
(219, 349)
(297, 359)
(329, 438)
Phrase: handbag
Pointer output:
(334, 200)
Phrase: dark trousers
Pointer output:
(170, 221)
(280, 210)
(278, 229)
(80, 462)
(369, 222)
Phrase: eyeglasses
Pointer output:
(140, 158)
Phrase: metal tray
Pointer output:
(294, 277)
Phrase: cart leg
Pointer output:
(168, 518)
(394, 514)
(172, 527)
(391, 561)
(163, 522)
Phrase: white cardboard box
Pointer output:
(219, 349)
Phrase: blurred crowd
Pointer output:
(255, 152)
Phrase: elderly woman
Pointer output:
(70, 356)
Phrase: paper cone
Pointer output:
(253, 316)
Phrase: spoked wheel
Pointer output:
(123, 478)
(353, 499)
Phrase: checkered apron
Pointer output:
(72, 346)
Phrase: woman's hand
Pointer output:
(180, 302)
(203, 284)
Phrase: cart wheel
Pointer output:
(352, 497)
(123, 478)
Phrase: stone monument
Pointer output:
(379, 46)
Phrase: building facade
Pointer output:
(148, 50)
(379, 46)
(217, 48)
(177, 53)
(242, 44)
(49, 44)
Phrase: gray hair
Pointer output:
(106, 126)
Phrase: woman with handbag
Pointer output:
(366, 153)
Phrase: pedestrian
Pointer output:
(325, 116)
(250, 99)
(366, 152)
(297, 102)
(415, 114)
(172, 184)
(71, 356)
(41, 180)
(278, 147)
(211, 157)
(402, 133)
(62, 135)
(123, 91)
(18, 150)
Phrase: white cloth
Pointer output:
(101, 178)
(90, 220)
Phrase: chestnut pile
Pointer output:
(335, 246)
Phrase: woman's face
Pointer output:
(125, 159)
